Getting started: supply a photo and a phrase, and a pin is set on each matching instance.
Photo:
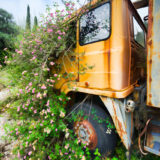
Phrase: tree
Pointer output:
(35, 23)
(7, 30)
(28, 19)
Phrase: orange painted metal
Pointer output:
(114, 71)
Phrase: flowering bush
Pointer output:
(41, 129)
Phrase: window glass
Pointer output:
(95, 25)
(139, 35)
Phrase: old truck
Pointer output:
(123, 86)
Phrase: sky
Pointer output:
(18, 8)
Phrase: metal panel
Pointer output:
(153, 138)
(123, 120)
(153, 59)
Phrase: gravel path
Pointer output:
(4, 94)
(5, 147)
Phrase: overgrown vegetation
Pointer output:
(39, 111)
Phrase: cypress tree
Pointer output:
(28, 19)
(35, 23)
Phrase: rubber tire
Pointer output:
(106, 142)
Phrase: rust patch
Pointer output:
(150, 19)
(149, 51)
(86, 133)
(118, 124)
(140, 135)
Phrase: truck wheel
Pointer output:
(92, 129)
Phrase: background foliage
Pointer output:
(8, 29)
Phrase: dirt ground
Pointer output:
(5, 147)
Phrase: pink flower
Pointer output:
(43, 87)
(24, 157)
(29, 153)
(55, 75)
(35, 111)
(47, 103)
(30, 84)
(18, 108)
(17, 133)
(51, 121)
(24, 72)
(49, 30)
(20, 52)
(41, 124)
(31, 108)
(19, 155)
(44, 94)
(56, 129)
(59, 37)
(51, 14)
(5, 57)
(34, 58)
(52, 81)
(36, 74)
(52, 63)
(21, 91)
(38, 95)
(33, 90)
(16, 129)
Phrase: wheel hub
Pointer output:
(86, 133)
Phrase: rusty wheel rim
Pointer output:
(86, 133)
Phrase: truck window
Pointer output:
(95, 25)
(139, 35)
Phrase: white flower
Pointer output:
(109, 131)
(66, 146)
(67, 135)
(62, 114)
(83, 158)
(47, 130)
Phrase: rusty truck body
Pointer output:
(125, 79)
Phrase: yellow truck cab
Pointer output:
(110, 37)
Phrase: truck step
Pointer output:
(152, 144)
